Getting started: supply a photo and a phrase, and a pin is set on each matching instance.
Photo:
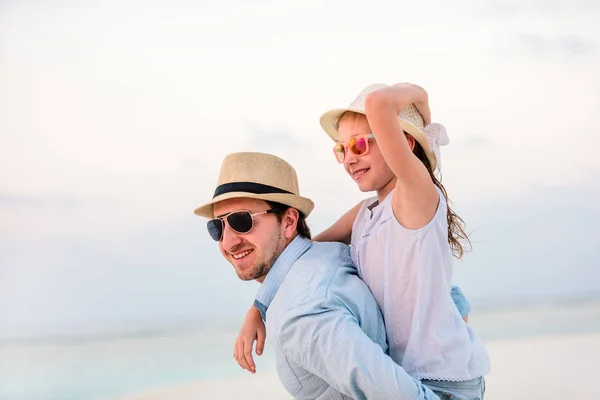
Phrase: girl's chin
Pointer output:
(364, 186)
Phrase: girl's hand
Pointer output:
(420, 99)
(252, 329)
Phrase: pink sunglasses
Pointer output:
(358, 145)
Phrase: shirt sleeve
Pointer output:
(460, 301)
(328, 342)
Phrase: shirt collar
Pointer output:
(281, 266)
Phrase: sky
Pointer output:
(115, 117)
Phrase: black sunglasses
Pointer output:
(240, 221)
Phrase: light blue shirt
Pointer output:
(327, 328)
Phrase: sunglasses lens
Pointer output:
(215, 229)
(240, 221)
(358, 145)
(340, 153)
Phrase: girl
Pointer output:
(404, 239)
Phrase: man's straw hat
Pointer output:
(257, 176)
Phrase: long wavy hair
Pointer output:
(458, 239)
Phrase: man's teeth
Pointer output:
(240, 255)
(359, 172)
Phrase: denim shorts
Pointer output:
(467, 390)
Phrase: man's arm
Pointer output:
(327, 341)
(461, 302)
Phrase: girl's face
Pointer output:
(369, 171)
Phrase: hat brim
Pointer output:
(302, 204)
(329, 122)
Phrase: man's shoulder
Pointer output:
(335, 253)
(318, 275)
(322, 263)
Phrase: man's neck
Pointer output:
(287, 243)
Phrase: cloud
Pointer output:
(49, 202)
(276, 141)
(562, 46)
(473, 141)
(540, 243)
(544, 28)
(516, 8)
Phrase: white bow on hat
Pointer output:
(436, 136)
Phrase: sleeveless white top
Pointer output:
(409, 273)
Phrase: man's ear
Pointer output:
(290, 223)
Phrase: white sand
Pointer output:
(560, 367)
(261, 386)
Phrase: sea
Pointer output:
(113, 366)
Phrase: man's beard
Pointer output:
(262, 268)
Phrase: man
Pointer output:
(323, 321)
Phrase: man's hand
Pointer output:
(252, 329)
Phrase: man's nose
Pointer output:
(230, 237)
